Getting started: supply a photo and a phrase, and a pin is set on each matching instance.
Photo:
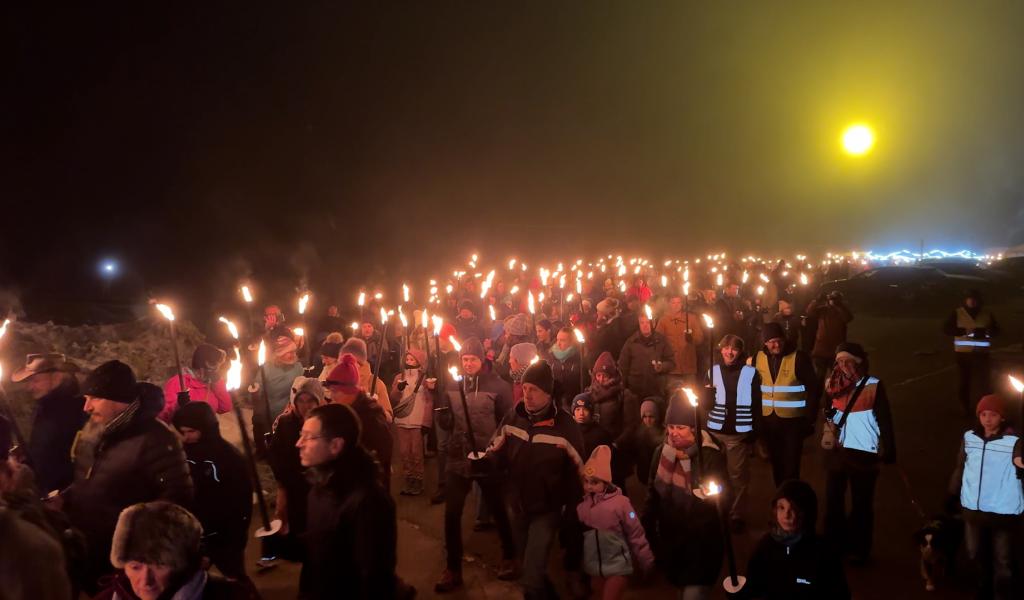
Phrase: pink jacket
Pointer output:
(611, 511)
(219, 400)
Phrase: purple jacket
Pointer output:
(612, 511)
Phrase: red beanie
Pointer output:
(993, 403)
(344, 376)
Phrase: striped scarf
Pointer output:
(673, 474)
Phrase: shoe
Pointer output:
(449, 582)
(508, 570)
(438, 497)
(483, 526)
(415, 487)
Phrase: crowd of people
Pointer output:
(538, 417)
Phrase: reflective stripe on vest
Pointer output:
(964, 320)
(786, 395)
(861, 431)
(720, 411)
(990, 481)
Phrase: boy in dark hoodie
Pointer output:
(223, 492)
(593, 434)
(791, 562)
(635, 448)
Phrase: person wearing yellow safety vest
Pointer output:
(972, 326)
(790, 391)
(864, 439)
(987, 486)
(733, 417)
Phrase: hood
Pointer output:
(801, 495)
(198, 415)
(308, 385)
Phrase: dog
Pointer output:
(939, 540)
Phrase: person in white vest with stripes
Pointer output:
(987, 485)
(733, 416)
(972, 327)
(860, 422)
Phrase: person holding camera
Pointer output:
(831, 316)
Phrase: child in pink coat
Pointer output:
(615, 536)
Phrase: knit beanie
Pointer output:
(355, 347)
(207, 356)
(851, 350)
(606, 364)
(472, 347)
(344, 376)
(680, 411)
(283, 345)
(583, 401)
(419, 356)
(517, 325)
(524, 352)
(599, 465)
(157, 533)
(993, 403)
(307, 385)
(198, 416)
(113, 380)
(772, 331)
(539, 374)
(331, 349)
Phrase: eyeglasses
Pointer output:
(308, 438)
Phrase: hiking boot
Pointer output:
(438, 497)
(449, 582)
(508, 570)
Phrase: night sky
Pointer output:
(347, 144)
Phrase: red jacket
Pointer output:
(219, 399)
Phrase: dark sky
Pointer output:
(346, 142)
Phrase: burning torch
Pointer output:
(168, 314)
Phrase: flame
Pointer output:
(299, 331)
(690, 396)
(234, 376)
(686, 289)
(648, 312)
(362, 299)
(760, 290)
(803, 279)
(708, 321)
(425, 319)
(165, 311)
(261, 355)
(401, 317)
(579, 286)
(534, 360)
(579, 335)
(3, 328)
(455, 343)
(354, 325)
(764, 278)
(405, 293)
(448, 289)
(686, 275)
(514, 290)
(246, 294)
(490, 308)
(303, 302)
(718, 280)
(1017, 384)
(746, 276)
(540, 297)
(231, 327)
(529, 302)
(378, 296)
(438, 321)
(511, 264)
(664, 281)
(383, 316)
(713, 489)
(455, 373)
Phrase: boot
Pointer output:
(449, 582)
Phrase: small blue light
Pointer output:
(108, 268)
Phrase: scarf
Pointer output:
(603, 393)
(562, 355)
(517, 374)
(784, 537)
(673, 474)
(840, 384)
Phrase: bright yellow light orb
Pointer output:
(858, 139)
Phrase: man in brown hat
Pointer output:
(57, 417)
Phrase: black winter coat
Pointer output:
(289, 473)
(593, 436)
(375, 435)
(137, 459)
(56, 419)
(635, 364)
(807, 570)
(567, 374)
(351, 537)
(542, 456)
(223, 490)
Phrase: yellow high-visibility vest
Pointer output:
(785, 396)
(966, 343)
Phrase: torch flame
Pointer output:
(401, 317)
(708, 321)
(803, 279)
(534, 360)
(664, 281)
(490, 308)
(3, 328)
(514, 290)
(455, 373)
(165, 311)
(438, 321)
(231, 327)
(686, 288)
(648, 312)
(718, 280)
(234, 376)
(354, 326)
(511, 264)
(405, 293)
(299, 331)
(760, 290)
(383, 316)
(303, 301)
(362, 299)
(246, 294)
(529, 302)
(579, 335)
(690, 396)
(261, 355)
(713, 489)
(455, 343)
(1017, 384)
(425, 319)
